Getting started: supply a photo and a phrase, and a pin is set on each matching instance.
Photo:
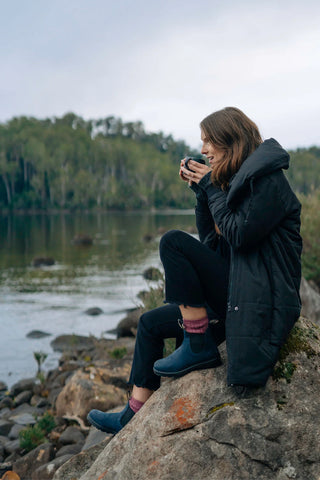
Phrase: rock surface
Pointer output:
(310, 299)
(198, 428)
(101, 388)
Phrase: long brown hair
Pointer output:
(236, 135)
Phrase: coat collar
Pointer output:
(267, 158)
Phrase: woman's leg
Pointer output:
(153, 328)
(196, 277)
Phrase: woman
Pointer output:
(243, 275)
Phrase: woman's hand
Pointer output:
(199, 171)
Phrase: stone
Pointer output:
(22, 397)
(5, 467)
(11, 446)
(73, 449)
(94, 438)
(6, 402)
(38, 334)
(152, 273)
(93, 311)
(5, 427)
(82, 239)
(310, 299)
(127, 327)
(71, 435)
(21, 385)
(15, 430)
(5, 413)
(64, 343)
(23, 419)
(43, 261)
(196, 427)
(47, 471)
(93, 388)
(11, 476)
(39, 456)
(3, 386)
(80, 463)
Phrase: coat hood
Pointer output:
(267, 158)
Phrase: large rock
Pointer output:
(33, 460)
(310, 299)
(196, 427)
(73, 468)
(100, 388)
(127, 327)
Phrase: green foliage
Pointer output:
(47, 423)
(40, 358)
(118, 352)
(284, 370)
(31, 437)
(72, 163)
(297, 341)
(304, 171)
(153, 298)
(310, 230)
(34, 435)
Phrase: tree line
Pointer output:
(72, 163)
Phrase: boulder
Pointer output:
(94, 388)
(93, 311)
(43, 261)
(38, 334)
(47, 471)
(22, 385)
(33, 460)
(15, 430)
(127, 327)
(3, 387)
(5, 427)
(22, 397)
(80, 463)
(6, 402)
(310, 299)
(71, 435)
(152, 273)
(197, 427)
(65, 343)
(73, 449)
(82, 239)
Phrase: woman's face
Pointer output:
(210, 150)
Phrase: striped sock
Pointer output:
(135, 404)
(196, 326)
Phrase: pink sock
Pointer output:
(196, 326)
(135, 404)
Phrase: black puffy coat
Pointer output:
(259, 216)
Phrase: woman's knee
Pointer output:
(170, 239)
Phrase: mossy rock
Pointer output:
(304, 338)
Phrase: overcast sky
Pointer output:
(168, 63)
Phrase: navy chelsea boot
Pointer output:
(196, 352)
(110, 422)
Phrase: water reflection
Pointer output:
(107, 274)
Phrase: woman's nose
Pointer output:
(203, 150)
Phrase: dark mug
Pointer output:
(195, 159)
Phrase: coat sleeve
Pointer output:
(259, 210)
(204, 220)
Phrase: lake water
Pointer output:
(53, 299)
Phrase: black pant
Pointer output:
(195, 276)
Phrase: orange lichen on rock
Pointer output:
(153, 466)
(183, 412)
